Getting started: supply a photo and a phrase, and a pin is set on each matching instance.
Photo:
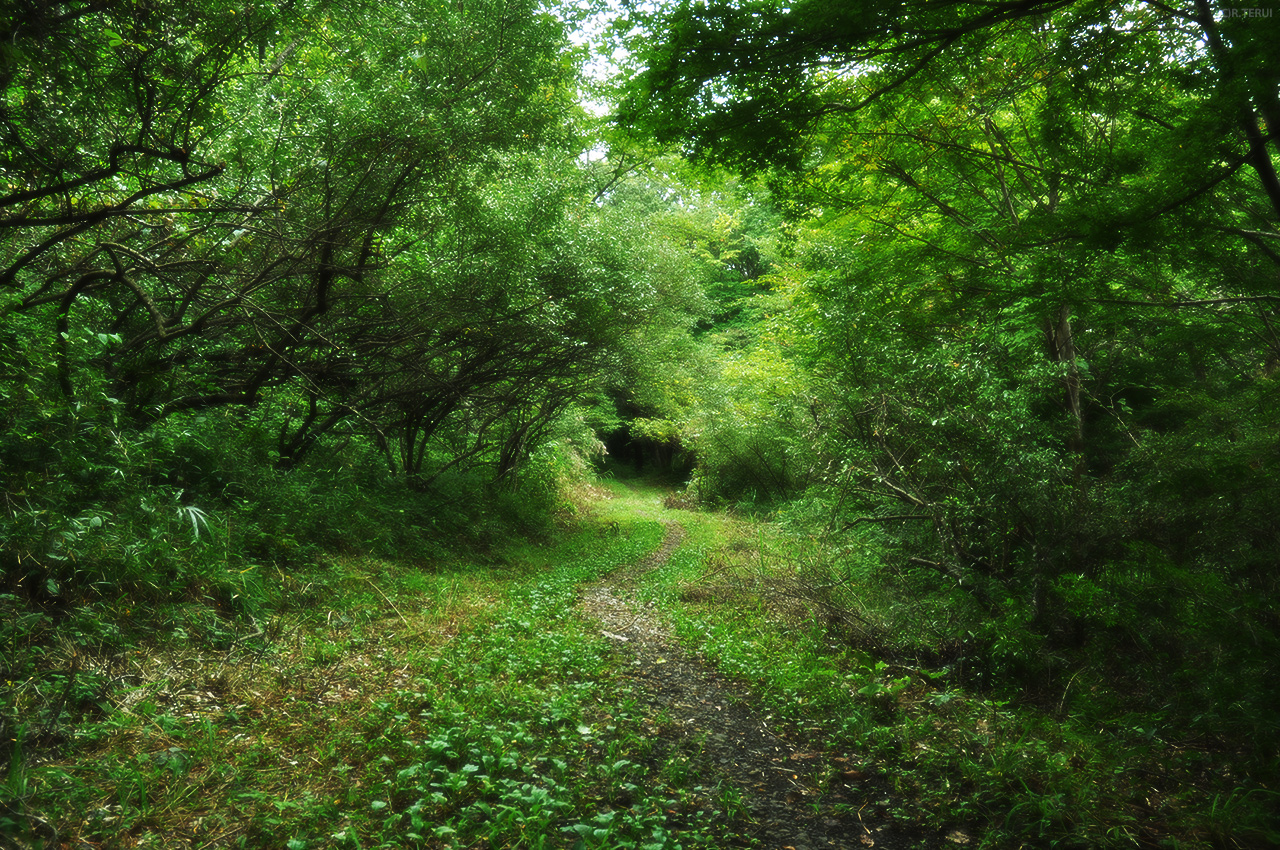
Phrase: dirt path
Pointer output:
(776, 775)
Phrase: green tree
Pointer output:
(1037, 258)
(360, 227)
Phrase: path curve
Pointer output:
(775, 775)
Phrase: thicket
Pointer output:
(116, 539)
(282, 281)
(1015, 368)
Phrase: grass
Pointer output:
(398, 708)
(377, 703)
(988, 769)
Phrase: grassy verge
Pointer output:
(398, 708)
(377, 703)
(989, 769)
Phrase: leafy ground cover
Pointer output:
(478, 705)
(988, 768)
(456, 707)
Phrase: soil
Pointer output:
(797, 796)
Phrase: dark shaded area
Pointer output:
(642, 455)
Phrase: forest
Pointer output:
(948, 330)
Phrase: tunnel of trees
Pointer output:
(989, 290)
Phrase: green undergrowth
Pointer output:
(375, 702)
(191, 541)
(990, 770)
(401, 707)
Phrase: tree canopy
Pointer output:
(1029, 308)
(977, 299)
(216, 206)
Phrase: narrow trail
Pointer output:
(776, 775)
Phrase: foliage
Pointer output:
(989, 322)
(252, 318)
(720, 233)
(773, 609)
(224, 248)
(1027, 320)
(460, 705)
